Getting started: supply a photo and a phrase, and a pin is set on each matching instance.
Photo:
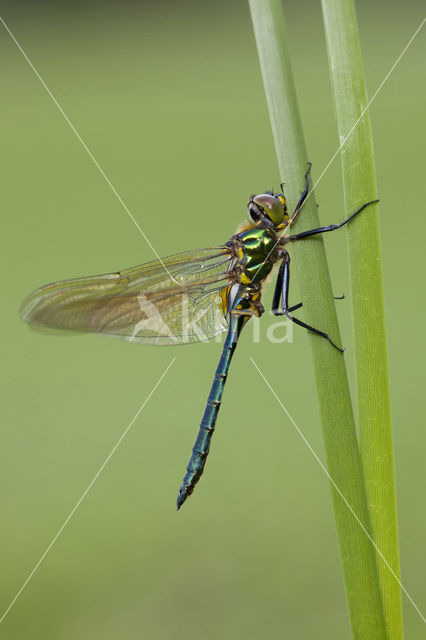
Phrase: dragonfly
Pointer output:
(189, 297)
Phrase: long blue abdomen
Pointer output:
(202, 443)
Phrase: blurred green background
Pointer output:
(168, 97)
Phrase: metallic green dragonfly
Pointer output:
(188, 297)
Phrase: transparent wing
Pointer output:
(145, 304)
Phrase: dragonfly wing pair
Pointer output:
(176, 301)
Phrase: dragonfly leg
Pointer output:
(299, 305)
(202, 443)
(284, 279)
(331, 227)
(278, 293)
(303, 195)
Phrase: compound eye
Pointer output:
(272, 206)
(283, 201)
(255, 212)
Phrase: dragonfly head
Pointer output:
(268, 210)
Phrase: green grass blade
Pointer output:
(341, 446)
(375, 426)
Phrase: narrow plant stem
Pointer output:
(359, 180)
(340, 442)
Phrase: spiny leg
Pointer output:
(295, 307)
(202, 443)
(331, 227)
(278, 292)
(284, 280)
(299, 305)
(303, 195)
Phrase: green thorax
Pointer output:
(259, 249)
